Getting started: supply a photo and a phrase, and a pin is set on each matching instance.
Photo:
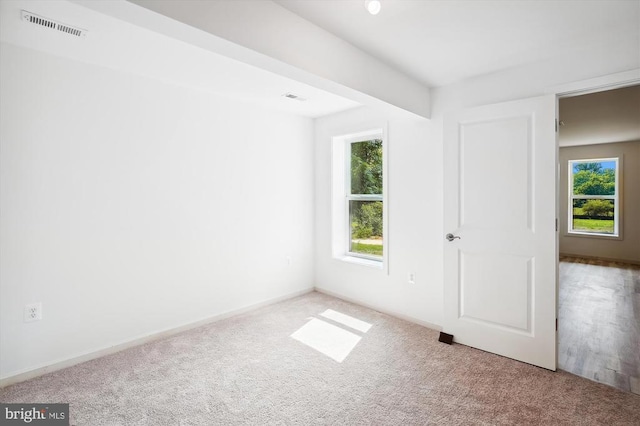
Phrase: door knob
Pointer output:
(451, 237)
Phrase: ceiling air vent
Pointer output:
(54, 25)
(292, 96)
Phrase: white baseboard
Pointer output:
(379, 309)
(59, 365)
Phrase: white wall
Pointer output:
(625, 249)
(415, 219)
(130, 206)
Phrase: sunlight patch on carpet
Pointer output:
(332, 341)
(347, 320)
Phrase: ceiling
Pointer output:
(433, 42)
(603, 117)
(442, 42)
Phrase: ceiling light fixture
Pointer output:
(373, 6)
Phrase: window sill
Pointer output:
(597, 236)
(378, 264)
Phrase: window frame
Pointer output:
(341, 190)
(617, 216)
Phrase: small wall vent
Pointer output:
(54, 25)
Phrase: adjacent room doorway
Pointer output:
(599, 236)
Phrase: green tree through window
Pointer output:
(365, 198)
(593, 196)
(593, 179)
(366, 167)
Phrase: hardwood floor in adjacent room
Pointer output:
(599, 321)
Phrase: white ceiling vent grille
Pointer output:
(296, 97)
(54, 25)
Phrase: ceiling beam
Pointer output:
(266, 35)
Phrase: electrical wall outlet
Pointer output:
(411, 277)
(33, 312)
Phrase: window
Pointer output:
(364, 198)
(359, 215)
(593, 197)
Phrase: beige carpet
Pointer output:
(249, 370)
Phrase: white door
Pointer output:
(500, 197)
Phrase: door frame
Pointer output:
(577, 88)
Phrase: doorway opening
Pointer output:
(599, 236)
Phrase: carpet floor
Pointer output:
(250, 370)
